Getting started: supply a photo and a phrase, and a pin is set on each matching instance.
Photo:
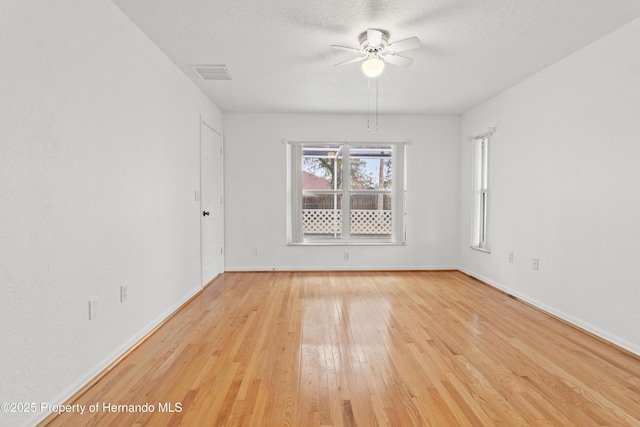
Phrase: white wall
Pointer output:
(255, 191)
(99, 161)
(565, 168)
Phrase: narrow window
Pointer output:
(481, 192)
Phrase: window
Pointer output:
(480, 191)
(346, 193)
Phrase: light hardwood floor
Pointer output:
(366, 349)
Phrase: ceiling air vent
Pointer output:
(212, 72)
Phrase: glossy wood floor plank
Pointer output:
(365, 349)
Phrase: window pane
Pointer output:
(485, 159)
(321, 168)
(370, 168)
(370, 215)
(322, 216)
(483, 218)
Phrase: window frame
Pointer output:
(295, 193)
(481, 192)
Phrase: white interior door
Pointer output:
(211, 203)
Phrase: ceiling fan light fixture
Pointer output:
(373, 66)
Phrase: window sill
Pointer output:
(348, 244)
(479, 249)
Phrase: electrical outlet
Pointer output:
(346, 256)
(536, 263)
(124, 291)
(510, 256)
(256, 250)
(93, 309)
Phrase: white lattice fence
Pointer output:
(370, 222)
(328, 221)
(321, 221)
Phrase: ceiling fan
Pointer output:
(375, 50)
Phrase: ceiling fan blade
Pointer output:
(399, 60)
(374, 37)
(402, 45)
(348, 49)
(358, 59)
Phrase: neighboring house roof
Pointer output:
(313, 182)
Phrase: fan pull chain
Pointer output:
(377, 104)
(368, 102)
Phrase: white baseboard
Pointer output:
(342, 268)
(109, 359)
(581, 324)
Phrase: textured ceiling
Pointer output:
(278, 50)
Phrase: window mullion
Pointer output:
(346, 193)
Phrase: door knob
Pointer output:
(205, 213)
